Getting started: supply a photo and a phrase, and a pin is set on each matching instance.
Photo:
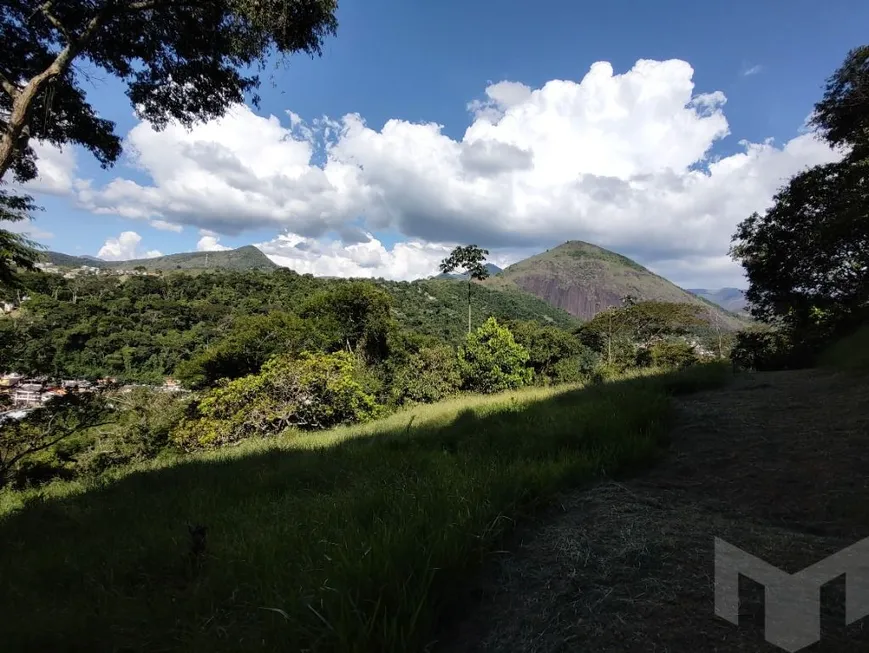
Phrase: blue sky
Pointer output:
(421, 62)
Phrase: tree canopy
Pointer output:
(15, 249)
(842, 115)
(807, 256)
(471, 259)
(183, 60)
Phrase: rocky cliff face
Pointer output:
(584, 279)
(576, 299)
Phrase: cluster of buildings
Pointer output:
(31, 392)
(91, 270)
(25, 394)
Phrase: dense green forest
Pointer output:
(270, 352)
(144, 328)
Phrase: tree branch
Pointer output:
(45, 10)
(10, 88)
(45, 445)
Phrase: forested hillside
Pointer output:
(142, 328)
(243, 258)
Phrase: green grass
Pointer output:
(350, 540)
(850, 353)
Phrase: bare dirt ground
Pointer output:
(776, 464)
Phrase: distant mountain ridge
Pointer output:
(491, 268)
(576, 277)
(584, 279)
(243, 258)
(731, 299)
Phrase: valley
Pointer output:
(361, 434)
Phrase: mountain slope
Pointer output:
(490, 267)
(439, 306)
(584, 279)
(243, 258)
(68, 261)
(731, 299)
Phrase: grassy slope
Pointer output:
(599, 273)
(349, 540)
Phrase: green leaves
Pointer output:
(16, 250)
(46, 426)
(470, 258)
(807, 256)
(183, 60)
(842, 115)
(314, 391)
(492, 361)
(429, 375)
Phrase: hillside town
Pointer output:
(91, 270)
(20, 395)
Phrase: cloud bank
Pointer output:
(620, 160)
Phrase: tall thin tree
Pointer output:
(472, 260)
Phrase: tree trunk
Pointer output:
(21, 104)
(22, 99)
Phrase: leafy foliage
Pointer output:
(766, 349)
(810, 250)
(16, 250)
(673, 354)
(185, 60)
(249, 343)
(620, 335)
(45, 427)
(204, 327)
(807, 256)
(427, 376)
(354, 315)
(492, 361)
(471, 259)
(842, 115)
(554, 354)
(314, 391)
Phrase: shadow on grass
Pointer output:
(353, 547)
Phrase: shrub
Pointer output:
(28, 446)
(768, 349)
(673, 353)
(555, 355)
(576, 369)
(314, 391)
(492, 361)
(251, 341)
(144, 422)
(428, 376)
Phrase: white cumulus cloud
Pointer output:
(124, 248)
(326, 257)
(162, 225)
(210, 243)
(55, 167)
(621, 160)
